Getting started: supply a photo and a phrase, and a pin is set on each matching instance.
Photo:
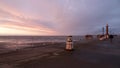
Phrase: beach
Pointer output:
(88, 54)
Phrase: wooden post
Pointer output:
(69, 43)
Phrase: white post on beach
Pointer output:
(69, 43)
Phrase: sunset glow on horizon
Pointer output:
(58, 17)
(16, 23)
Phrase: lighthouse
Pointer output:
(103, 30)
(107, 31)
(69, 43)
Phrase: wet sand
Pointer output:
(92, 54)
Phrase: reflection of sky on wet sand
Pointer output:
(16, 46)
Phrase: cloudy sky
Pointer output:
(58, 17)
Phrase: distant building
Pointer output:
(104, 36)
(88, 37)
(101, 37)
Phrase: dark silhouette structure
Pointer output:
(103, 30)
(107, 31)
(111, 38)
(88, 37)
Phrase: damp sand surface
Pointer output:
(89, 54)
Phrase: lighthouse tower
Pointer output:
(103, 30)
(107, 31)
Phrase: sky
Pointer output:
(58, 17)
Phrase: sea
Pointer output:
(17, 42)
